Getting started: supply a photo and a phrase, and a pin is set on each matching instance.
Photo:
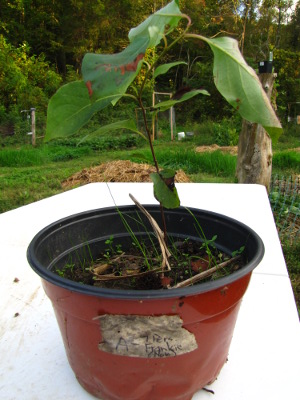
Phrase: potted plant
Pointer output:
(169, 341)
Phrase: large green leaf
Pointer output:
(106, 77)
(164, 68)
(165, 105)
(240, 86)
(154, 26)
(167, 197)
(106, 74)
(70, 108)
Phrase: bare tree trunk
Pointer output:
(254, 162)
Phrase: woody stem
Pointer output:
(155, 164)
(148, 134)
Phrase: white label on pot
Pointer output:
(148, 337)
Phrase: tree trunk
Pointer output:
(254, 162)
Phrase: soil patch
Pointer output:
(117, 171)
(190, 263)
(227, 149)
(209, 149)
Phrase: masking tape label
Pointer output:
(148, 337)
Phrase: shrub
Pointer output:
(25, 80)
(225, 133)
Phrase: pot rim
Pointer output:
(55, 279)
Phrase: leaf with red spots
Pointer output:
(107, 74)
(106, 77)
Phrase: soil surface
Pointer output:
(190, 263)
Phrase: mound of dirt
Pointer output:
(208, 149)
(117, 171)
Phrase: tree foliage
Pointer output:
(287, 65)
(61, 32)
(25, 80)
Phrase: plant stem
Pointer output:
(150, 69)
(164, 224)
(148, 134)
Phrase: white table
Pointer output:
(265, 352)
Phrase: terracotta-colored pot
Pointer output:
(143, 345)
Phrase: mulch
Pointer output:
(117, 171)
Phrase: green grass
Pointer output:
(215, 163)
(27, 156)
(290, 138)
(23, 185)
(28, 174)
(287, 160)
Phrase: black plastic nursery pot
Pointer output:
(143, 344)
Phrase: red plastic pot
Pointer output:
(108, 335)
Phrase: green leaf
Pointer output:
(165, 105)
(163, 69)
(70, 108)
(167, 197)
(106, 77)
(154, 26)
(240, 86)
(107, 74)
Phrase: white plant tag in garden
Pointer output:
(148, 337)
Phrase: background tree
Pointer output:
(61, 32)
(25, 81)
(294, 29)
(287, 66)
